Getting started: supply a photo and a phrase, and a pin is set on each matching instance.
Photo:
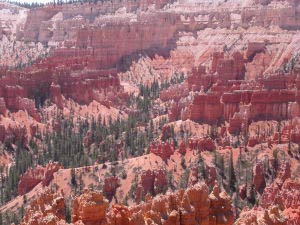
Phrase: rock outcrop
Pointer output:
(162, 149)
(151, 182)
(46, 209)
(110, 186)
(192, 206)
(259, 177)
(34, 176)
(89, 208)
(201, 144)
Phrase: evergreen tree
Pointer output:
(231, 174)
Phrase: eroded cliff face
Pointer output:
(84, 58)
(14, 52)
(240, 79)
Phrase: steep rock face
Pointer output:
(263, 104)
(211, 175)
(13, 52)
(205, 108)
(182, 148)
(233, 100)
(133, 34)
(65, 17)
(85, 56)
(220, 207)
(34, 176)
(232, 68)
(67, 75)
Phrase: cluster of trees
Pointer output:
(80, 142)
(9, 183)
(26, 4)
(54, 2)
(106, 140)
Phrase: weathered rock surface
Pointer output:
(259, 177)
(151, 182)
(162, 149)
(34, 176)
(110, 186)
(90, 208)
(47, 209)
(192, 206)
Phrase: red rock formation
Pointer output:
(243, 191)
(211, 177)
(205, 108)
(233, 100)
(56, 96)
(254, 48)
(174, 93)
(2, 133)
(29, 106)
(266, 105)
(2, 106)
(220, 208)
(13, 133)
(253, 141)
(202, 144)
(152, 182)
(162, 149)
(232, 68)
(216, 57)
(282, 194)
(119, 215)
(90, 208)
(182, 148)
(271, 216)
(110, 186)
(278, 81)
(47, 209)
(199, 80)
(193, 206)
(272, 192)
(160, 181)
(184, 207)
(34, 176)
(259, 177)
